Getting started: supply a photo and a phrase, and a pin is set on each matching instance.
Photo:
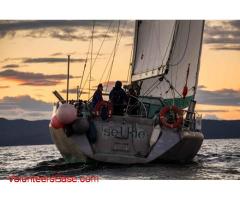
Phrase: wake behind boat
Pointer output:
(159, 121)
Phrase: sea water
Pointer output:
(217, 159)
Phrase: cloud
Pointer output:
(48, 60)
(9, 25)
(72, 91)
(10, 66)
(223, 97)
(202, 87)
(61, 54)
(230, 48)
(35, 79)
(4, 86)
(23, 114)
(211, 117)
(66, 30)
(51, 60)
(212, 111)
(24, 102)
(67, 36)
(223, 35)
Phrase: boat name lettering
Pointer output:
(123, 132)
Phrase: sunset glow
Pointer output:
(33, 63)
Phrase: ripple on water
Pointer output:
(217, 159)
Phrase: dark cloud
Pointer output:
(24, 107)
(4, 86)
(61, 29)
(101, 35)
(201, 87)
(223, 47)
(10, 59)
(10, 66)
(73, 91)
(61, 54)
(223, 97)
(211, 117)
(67, 36)
(30, 78)
(42, 59)
(40, 24)
(57, 54)
(24, 102)
(51, 60)
(212, 111)
(224, 35)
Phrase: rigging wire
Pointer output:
(110, 59)
(85, 64)
(100, 80)
(90, 69)
(105, 36)
(115, 50)
(150, 88)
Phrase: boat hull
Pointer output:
(126, 140)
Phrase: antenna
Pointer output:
(68, 68)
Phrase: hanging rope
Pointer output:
(115, 48)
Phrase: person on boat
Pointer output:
(118, 98)
(97, 97)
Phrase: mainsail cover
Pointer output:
(152, 51)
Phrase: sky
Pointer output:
(33, 63)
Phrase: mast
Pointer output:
(134, 47)
(68, 69)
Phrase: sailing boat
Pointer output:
(164, 74)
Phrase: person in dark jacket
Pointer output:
(118, 98)
(97, 97)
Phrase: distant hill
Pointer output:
(220, 129)
(23, 132)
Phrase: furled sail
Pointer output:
(166, 58)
